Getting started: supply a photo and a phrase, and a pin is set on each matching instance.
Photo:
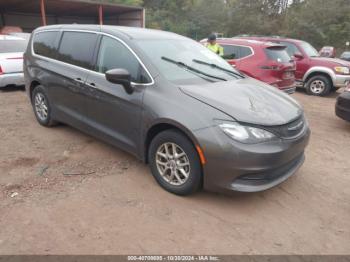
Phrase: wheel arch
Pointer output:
(32, 86)
(324, 71)
(161, 126)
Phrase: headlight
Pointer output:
(342, 70)
(246, 134)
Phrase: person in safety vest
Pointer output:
(214, 46)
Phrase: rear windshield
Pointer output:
(278, 54)
(346, 54)
(13, 46)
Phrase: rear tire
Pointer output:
(174, 163)
(319, 85)
(41, 107)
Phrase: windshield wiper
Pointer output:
(218, 67)
(192, 69)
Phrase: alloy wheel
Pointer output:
(41, 107)
(173, 164)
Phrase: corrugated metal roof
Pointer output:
(65, 7)
(105, 3)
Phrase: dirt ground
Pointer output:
(62, 192)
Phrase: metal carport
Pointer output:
(29, 14)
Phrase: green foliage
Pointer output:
(125, 2)
(320, 22)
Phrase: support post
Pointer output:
(143, 18)
(100, 14)
(43, 12)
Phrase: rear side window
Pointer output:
(278, 54)
(77, 48)
(113, 54)
(231, 52)
(12, 46)
(245, 51)
(44, 44)
(236, 52)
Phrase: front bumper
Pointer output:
(341, 81)
(342, 108)
(233, 166)
(8, 79)
(266, 180)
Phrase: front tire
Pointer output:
(174, 163)
(319, 85)
(41, 107)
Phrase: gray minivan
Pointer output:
(170, 102)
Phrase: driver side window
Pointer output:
(291, 48)
(113, 54)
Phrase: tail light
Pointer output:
(288, 75)
(1, 72)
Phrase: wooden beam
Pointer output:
(43, 13)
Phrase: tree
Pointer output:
(125, 2)
(319, 22)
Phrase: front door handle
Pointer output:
(92, 85)
(79, 80)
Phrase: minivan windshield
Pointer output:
(309, 49)
(188, 53)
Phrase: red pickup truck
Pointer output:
(319, 75)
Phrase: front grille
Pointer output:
(291, 130)
(271, 174)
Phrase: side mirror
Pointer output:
(122, 77)
(298, 56)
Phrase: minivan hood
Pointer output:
(247, 100)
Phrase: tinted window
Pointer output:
(278, 54)
(45, 44)
(113, 54)
(345, 55)
(12, 46)
(291, 48)
(245, 51)
(236, 52)
(309, 49)
(230, 52)
(77, 48)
